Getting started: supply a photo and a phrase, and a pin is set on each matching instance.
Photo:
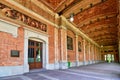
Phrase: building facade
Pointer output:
(33, 37)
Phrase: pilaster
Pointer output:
(119, 32)
(119, 50)
(76, 50)
(95, 54)
(89, 52)
(93, 50)
(84, 52)
(56, 43)
(62, 45)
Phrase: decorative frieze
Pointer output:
(13, 14)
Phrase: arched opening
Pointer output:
(109, 57)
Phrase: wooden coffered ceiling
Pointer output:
(97, 18)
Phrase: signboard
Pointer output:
(14, 53)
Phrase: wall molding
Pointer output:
(9, 28)
(39, 37)
(11, 70)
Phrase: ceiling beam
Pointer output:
(108, 44)
(103, 34)
(101, 28)
(105, 37)
(80, 4)
(64, 5)
(110, 20)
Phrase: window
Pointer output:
(79, 46)
(112, 57)
(69, 43)
(105, 56)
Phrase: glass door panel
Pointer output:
(34, 54)
(31, 55)
(38, 55)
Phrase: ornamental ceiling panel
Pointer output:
(98, 21)
(58, 5)
(96, 18)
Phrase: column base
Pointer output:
(85, 63)
(77, 63)
(93, 62)
(26, 68)
(73, 64)
(63, 65)
(56, 65)
(81, 63)
(90, 62)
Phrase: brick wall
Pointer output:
(87, 51)
(91, 52)
(81, 54)
(51, 44)
(8, 43)
(71, 53)
(62, 41)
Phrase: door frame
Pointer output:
(29, 34)
(34, 64)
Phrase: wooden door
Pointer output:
(34, 54)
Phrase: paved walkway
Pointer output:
(101, 71)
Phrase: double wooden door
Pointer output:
(34, 54)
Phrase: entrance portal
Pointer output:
(34, 54)
(109, 57)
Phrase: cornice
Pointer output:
(27, 11)
(19, 24)
(42, 6)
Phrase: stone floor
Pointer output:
(101, 71)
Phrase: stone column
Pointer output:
(84, 52)
(76, 50)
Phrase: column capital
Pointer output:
(62, 27)
(76, 36)
(57, 16)
(89, 43)
(83, 40)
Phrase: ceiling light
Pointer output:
(101, 46)
(72, 17)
